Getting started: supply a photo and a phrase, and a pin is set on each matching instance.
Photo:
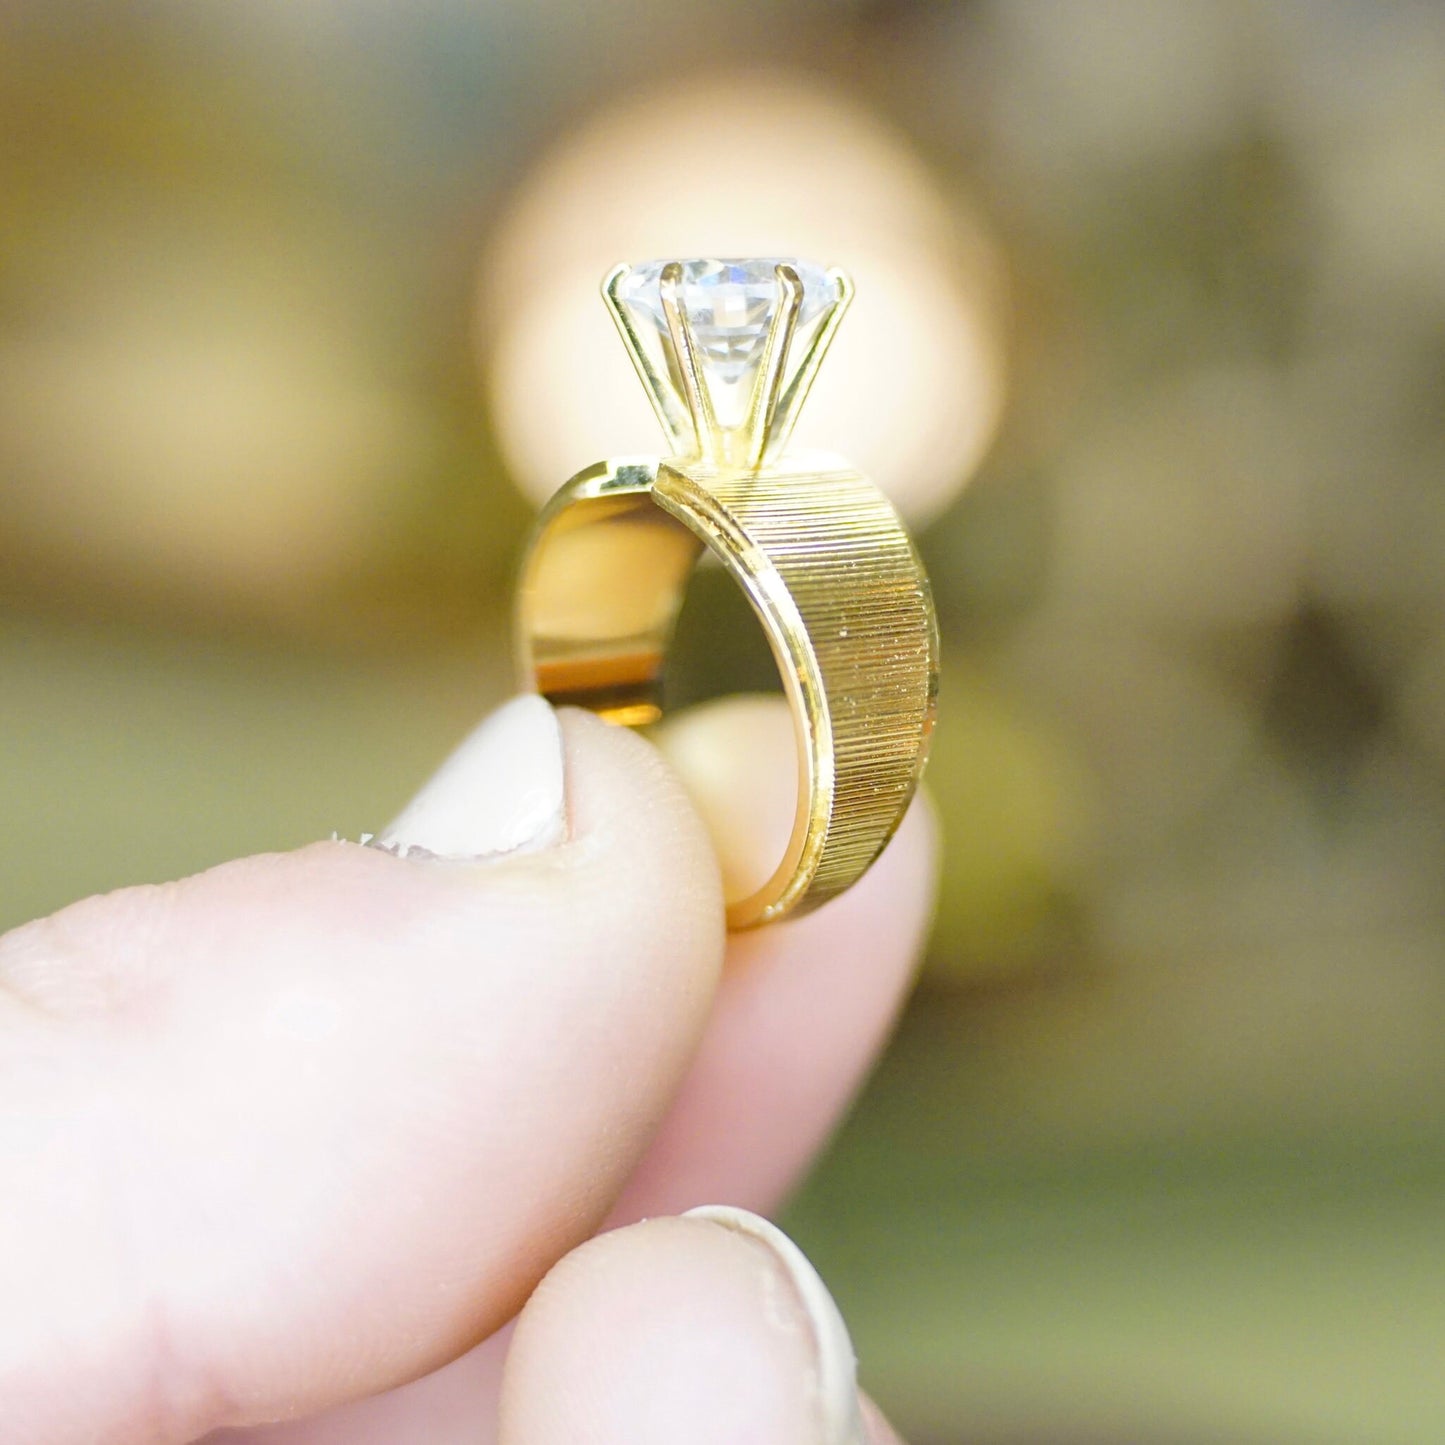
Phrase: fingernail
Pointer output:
(502, 791)
(836, 1380)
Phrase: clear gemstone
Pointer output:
(729, 306)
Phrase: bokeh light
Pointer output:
(746, 164)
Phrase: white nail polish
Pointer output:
(840, 1422)
(502, 791)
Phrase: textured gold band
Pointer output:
(842, 597)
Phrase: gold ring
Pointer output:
(727, 351)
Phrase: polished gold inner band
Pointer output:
(842, 597)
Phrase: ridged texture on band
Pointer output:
(863, 598)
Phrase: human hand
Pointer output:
(306, 1127)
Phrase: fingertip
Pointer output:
(737, 758)
(707, 1329)
(803, 1009)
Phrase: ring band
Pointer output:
(834, 580)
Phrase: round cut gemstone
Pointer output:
(729, 305)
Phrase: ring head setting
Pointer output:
(730, 309)
(727, 348)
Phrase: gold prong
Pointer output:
(791, 402)
(684, 347)
(763, 404)
(659, 393)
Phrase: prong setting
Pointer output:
(710, 442)
(764, 404)
(792, 400)
(663, 399)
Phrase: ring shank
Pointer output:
(840, 593)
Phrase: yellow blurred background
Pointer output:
(297, 306)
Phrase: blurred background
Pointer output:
(298, 319)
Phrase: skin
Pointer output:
(501, 1058)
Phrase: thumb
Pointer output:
(308, 1125)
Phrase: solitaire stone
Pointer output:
(729, 306)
